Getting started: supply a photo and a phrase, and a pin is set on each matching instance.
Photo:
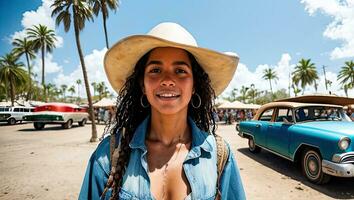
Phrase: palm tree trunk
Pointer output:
(270, 83)
(30, 78)
(104, 14)
(12, 91)
(43, 80)
(77, 37)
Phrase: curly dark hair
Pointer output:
(130, 113)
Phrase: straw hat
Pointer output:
(121, 58)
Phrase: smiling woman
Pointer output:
(163, 142)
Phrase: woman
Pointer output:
(163, 140)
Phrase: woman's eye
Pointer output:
(180, 71)
(154, 70)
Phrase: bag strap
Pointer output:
(222, 157)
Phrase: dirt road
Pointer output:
(50, 164)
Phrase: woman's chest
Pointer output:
(195, 175)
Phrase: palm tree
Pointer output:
(253, 92)
(78, 82)
(243, 92)
(94, 85)
(43, 39)
(103, 5)
(72, 90)
(269, 74)
(11, 72)
(306, 73)
(347, 75)
(63, 89)
(25, 46)
(80, 12)
(296, 89)
(102, 90)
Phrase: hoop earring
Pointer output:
(199, 103)
(142, 103)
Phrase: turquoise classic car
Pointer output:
(319, 136)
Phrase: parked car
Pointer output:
(11, 115)
(318, 136)
(57, 113)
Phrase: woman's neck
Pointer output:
(169, 129)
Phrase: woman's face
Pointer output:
(168, 80)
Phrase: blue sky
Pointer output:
(264, 34)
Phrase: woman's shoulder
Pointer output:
(101, 155)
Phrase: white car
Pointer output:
(11, 115)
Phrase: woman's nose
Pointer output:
(167, 80)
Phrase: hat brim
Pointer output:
(121, 58)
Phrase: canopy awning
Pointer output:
(105, 102)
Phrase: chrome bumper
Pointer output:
(338, 169)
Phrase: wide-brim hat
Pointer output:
(121, 58)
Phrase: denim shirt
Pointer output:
(199, 167)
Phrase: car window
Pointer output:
(17, 110)
(32, 109)
(267, 115)
(26, 109)
(284, 115)
(302, 114)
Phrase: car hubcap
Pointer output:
(312, 166)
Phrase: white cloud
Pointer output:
(245, 77)
(41, 16)
(342, 26)
(50, 66)
(95, 72)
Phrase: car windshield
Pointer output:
(320, 113)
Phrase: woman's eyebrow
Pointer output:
(181, 63)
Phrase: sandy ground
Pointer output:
(50, 164)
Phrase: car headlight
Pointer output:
(344, 143)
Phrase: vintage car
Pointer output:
(316, 135)
(11, 115)
(57, 113)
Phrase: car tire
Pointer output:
(38, 125)
(68, 124)
(11, 121)
(252, 147)
(83, 122)
(311, 165)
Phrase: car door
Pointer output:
(261, 127)
(278, 135)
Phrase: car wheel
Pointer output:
(312, 167)
(83, 122)
(11, 121)
(38, 125)
(252, 147)
(68, 124)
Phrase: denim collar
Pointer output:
(199, 138)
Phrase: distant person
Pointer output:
(163, 144)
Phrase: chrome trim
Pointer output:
(338, 169)
(304, 144)
(341, 139)
(338, 158)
